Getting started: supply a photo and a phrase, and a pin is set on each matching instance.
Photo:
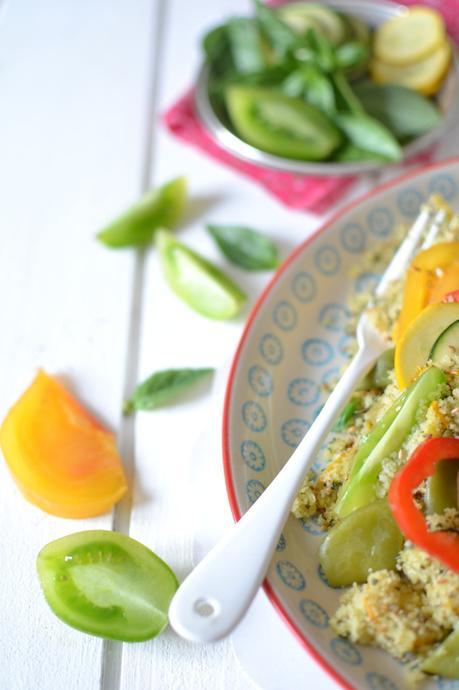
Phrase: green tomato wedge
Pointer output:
(107, 584)
(387, 437)
(441, 487)
(444, 660)
(278, 124)
(197, 282)
(162, 207)
(367, 539)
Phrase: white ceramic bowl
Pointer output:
(293, 341)
(373, 14)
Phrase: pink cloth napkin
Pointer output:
(301, 192)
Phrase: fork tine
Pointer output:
(437, 222)
(404, 253)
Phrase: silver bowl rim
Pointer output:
(246, 152)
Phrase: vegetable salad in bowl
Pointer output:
(298, 340)
(387, 493)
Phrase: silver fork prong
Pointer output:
(404, 253)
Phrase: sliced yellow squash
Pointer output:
(424, 76)
(414, 348)
(410, 37)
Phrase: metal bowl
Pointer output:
(373, 14)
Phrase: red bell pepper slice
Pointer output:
(443, 546)
(451, 296)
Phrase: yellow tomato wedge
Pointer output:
(432, 274)
(62, 459)
(424, 76)
(410, 37)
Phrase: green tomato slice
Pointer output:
(278, 124)
(444, 660)
(161, 207)
(107, 584)
(366, 540)
(197, 282)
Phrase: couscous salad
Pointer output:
(388, 492)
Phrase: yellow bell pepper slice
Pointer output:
(62, 459)
(433, 273)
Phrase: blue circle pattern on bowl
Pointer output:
(333, 317)
(314, 613)
(304, 287)
(260, 381)
(330, 376)
(444, 185)
(381, 222)
(254, 490)
(254, 416)
(271, 349)
(305, 295)
(293, 430)
(327, 260)
(290, 575)
(344, 344)
(281, 544)
(312, 526)
(353, 238)
(253, 455)
(346, 651)
(409, 202)
(447, 684)
(366, 281)
(317, 352)
(285, 316)
(303, 392)
(376, 681)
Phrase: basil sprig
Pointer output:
(245, 247)
(163, 387)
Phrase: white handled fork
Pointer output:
(216, 595)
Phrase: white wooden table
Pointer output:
(81, 87)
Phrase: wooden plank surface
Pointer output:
(73, 92)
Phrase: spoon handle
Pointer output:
(216, 595)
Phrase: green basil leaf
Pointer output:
(354, 154)
(346, 98)
(163, 387)
(322, 48)
(281, 38)
(160, 207)
(196, 281)
(404, 111)
(246, 45)
(367, 133)
(351, 54)
(347, 415)
(314, 86)
(245, 247)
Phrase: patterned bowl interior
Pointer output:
(293, 343)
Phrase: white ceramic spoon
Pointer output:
(216, 595)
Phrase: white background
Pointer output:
(81, 87)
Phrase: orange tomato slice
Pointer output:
(63, 460)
